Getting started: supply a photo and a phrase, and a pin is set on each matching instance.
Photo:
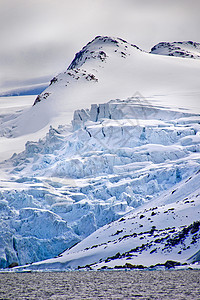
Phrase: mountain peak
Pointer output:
(96, 49)
(186, 49)
(89, 60)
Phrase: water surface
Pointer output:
(160, 285)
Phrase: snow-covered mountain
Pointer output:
(122, 155)
(187, 49)
(105, 69)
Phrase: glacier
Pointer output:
(102, 161)
(76, 180)
(159, 235)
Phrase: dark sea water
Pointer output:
(160, 285)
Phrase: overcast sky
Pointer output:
(39, 38)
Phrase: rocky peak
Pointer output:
(186, 49)
(96, 49)
(95, 52)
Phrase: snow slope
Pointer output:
(10, 109)
(120, 152)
